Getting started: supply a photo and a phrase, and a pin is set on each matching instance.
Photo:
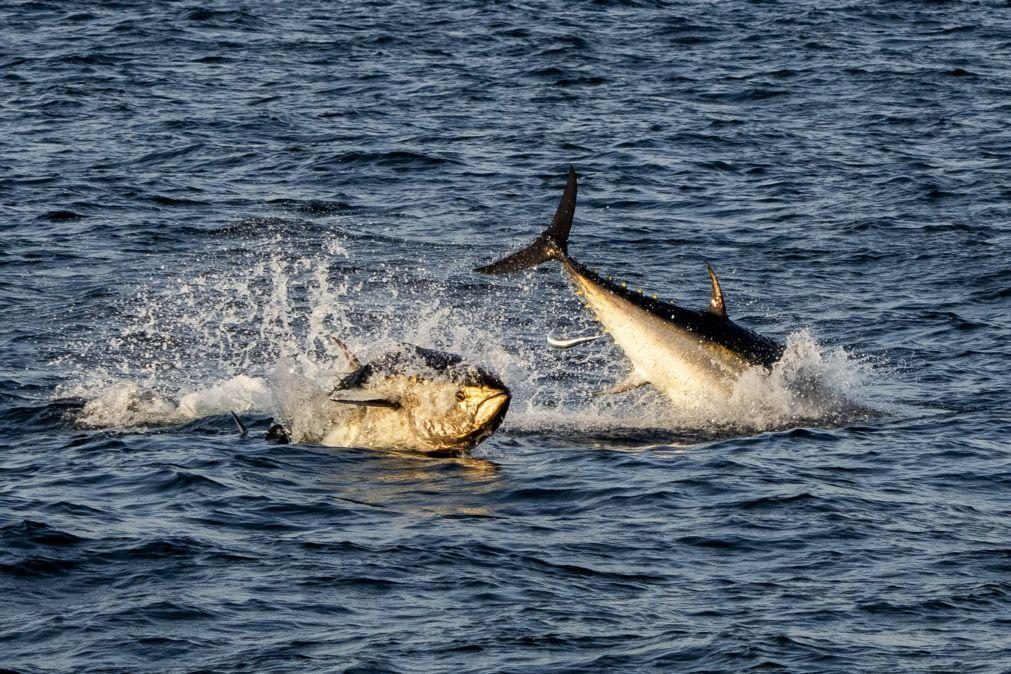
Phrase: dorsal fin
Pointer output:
(238, 422)
(345, 351)
(716, 305)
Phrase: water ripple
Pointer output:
(192, 191)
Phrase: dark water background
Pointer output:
(189, 190)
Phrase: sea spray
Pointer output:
(253, 335)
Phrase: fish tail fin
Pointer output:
(552, 244)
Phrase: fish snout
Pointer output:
(492, 409)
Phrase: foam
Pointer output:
(129, 405)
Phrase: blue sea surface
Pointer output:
(192, 192)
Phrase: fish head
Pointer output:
(451, 404)
(459, 411)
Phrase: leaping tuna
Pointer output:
(409, 398)
(684, 353)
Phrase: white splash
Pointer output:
(238, 394)
(248, 333)
(809, 384)
(128, 405)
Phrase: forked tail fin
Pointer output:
(550, 245)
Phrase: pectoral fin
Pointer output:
(631, 382)
(569, 343)
(363, 398)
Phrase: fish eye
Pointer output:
(460, 396)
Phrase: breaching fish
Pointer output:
(408, 398)
(686, 354)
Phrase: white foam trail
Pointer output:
(238, 394)
(124, 405)
(128, 405)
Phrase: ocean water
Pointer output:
(191, 192)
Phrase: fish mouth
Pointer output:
(489, 416)
(491, 407)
